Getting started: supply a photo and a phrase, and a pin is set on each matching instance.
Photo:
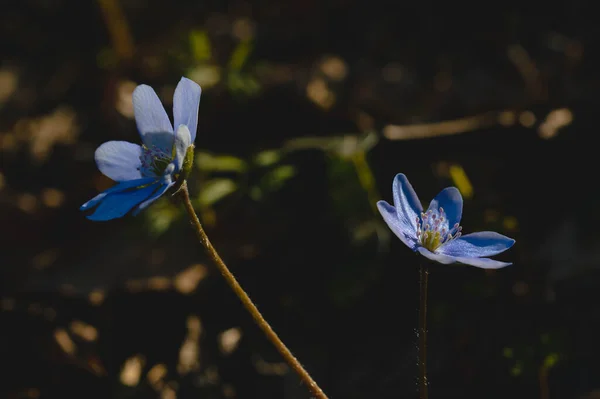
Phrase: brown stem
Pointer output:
(246, 301)
(423, 280)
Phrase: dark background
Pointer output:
(309, 109)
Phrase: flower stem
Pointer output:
(246, 301)
(423, 280)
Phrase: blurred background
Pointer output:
(309, 109)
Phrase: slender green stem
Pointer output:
(423, 280)
(246, 301)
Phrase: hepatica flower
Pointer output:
(436, 233)
(145, 172)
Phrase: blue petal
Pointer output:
(477, 245)
(116, 205)
(167, 176)
(406, 202)
(483, 263)
(452, 202)
(117, 188)
(182, 141)
(186, 102)
(163, 141)
(400, 227)
(119, 160)
(149, 112)
(440, 258)
(163, 189)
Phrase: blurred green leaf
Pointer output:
(239, 56)
(517, 369)
(308, 143)
(200, 45)
(275, 179)
(215, 190)
(221, 163)
(267, 158)
(550, 360)
(345, 146)
(527, 354)
(161, 216)
(272, 181)
(256, 193)
(243, 83)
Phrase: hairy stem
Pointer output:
(423, 280)
(246, 301)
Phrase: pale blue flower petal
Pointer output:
(150, 115)
(163, 189)
(452, 202)
(182, 141)
(483, 263)
(407, 203)
(444, 259)
(119, 160)
(116, 205)
(127, 185)
(477, 245)
(186, 102)
(160, 140)
(167, 176)
(399, 226)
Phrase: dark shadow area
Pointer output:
(308, 111)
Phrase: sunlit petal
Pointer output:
(186, 102)
(119, 160)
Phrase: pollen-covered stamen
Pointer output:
(154, 161)
(433, 229)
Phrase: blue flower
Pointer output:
(146, 172)
(436, 233)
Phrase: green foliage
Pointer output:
(210, 163)
(200, 45)
(535, 357)
(236, 74)
(214, 190)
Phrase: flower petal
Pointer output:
(483, 263)
(119, 160)
(116, 205)
(161, 140)
(183, 140)
(477, 245)
(117, 188)
(398, 225)
(150, 115)
(406, 202)
(167, 176)
(440, 258)
(452, 202)
(186, 102)
(163, 189)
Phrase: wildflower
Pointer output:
(146, 172)
(436, 233)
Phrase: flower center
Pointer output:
(154, 161)
(433, 229)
